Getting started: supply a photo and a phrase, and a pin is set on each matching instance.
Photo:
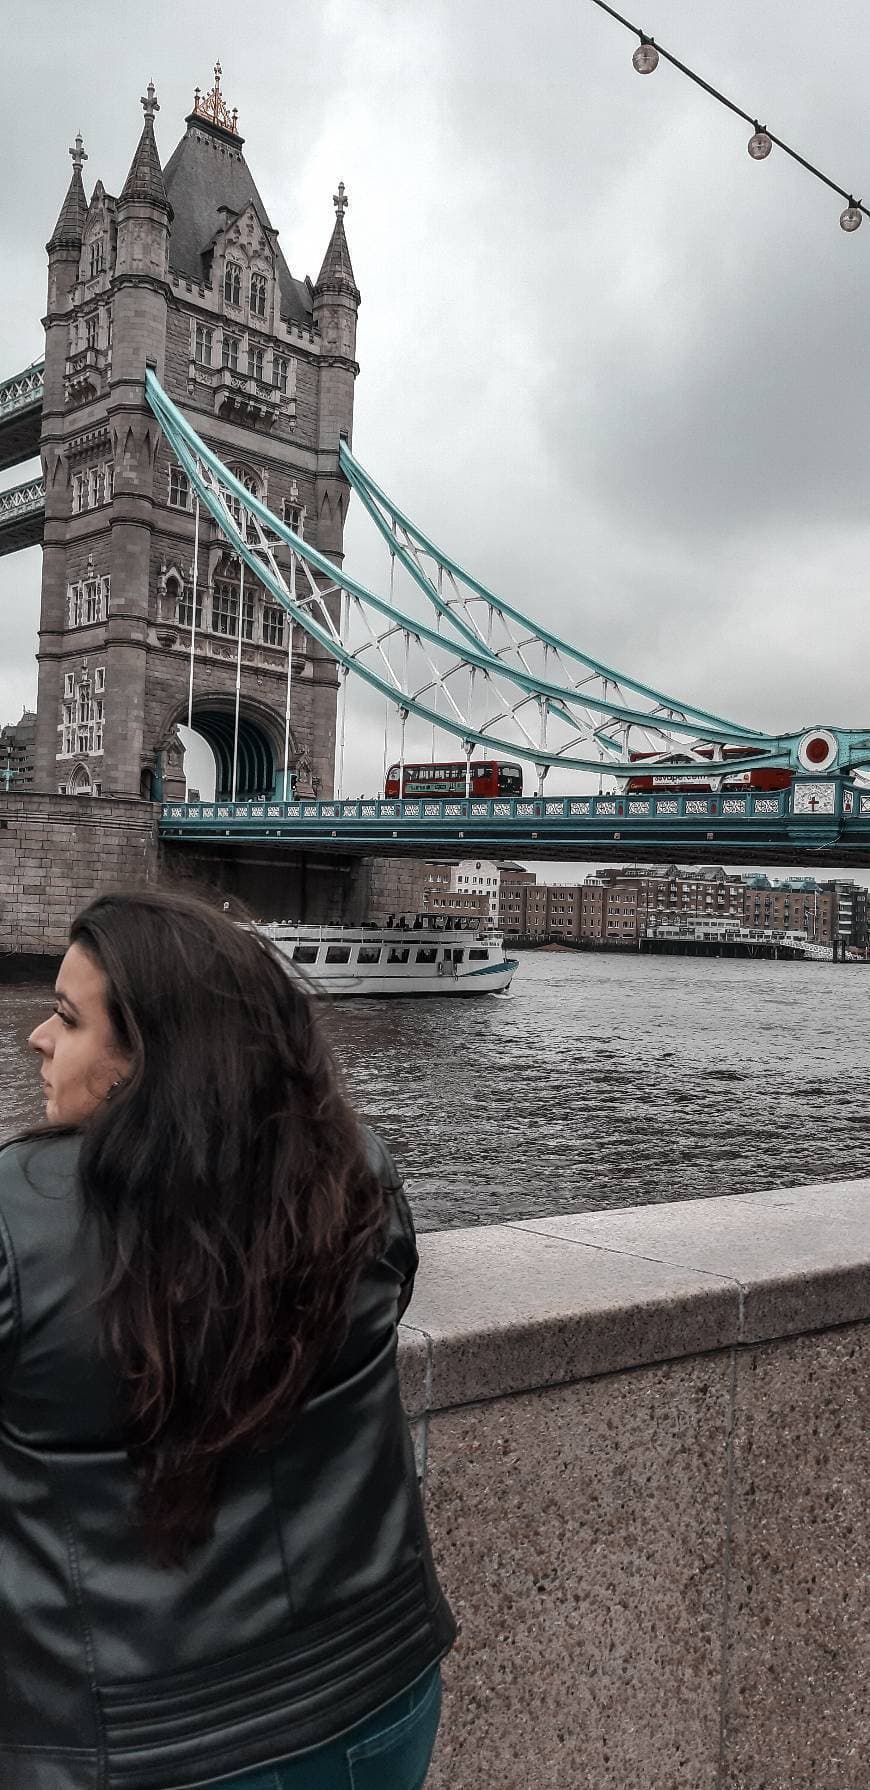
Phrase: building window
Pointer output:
(96, 258)
(232, 283)
(202, 345)
(88, 601)
(184, 604)
(179, 488)
(225, 609)
(280, 367)
(294, 516)
(273, 625)
(231, 353)
(255, 363)
(258, 294)
(91, 332)
(83, 714)
(92, 487)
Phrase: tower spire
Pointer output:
(69, 229)
(145, 179)
(337, 270)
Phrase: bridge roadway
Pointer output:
(824, 822)
(21, 416)
(22, 516)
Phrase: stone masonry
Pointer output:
(56, 855)
(184, 270)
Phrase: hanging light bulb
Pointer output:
(646, 56)
(851, 217)
(761, 144)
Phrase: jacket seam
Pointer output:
(282, 1690)
(87, 1640)
(279, 1535)
(15, 1283)
(318, 1636)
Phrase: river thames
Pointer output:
(601, 1080)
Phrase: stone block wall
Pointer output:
(393, 886)
(57, 853)
(316, 891)
(645, 1444)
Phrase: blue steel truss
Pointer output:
(466, 662)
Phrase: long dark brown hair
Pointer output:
(230, 1184)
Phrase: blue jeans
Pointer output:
(388, 1751)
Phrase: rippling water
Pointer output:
(599, 1081)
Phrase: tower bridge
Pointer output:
(194, 416)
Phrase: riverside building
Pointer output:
(17, 752)
(616, 907)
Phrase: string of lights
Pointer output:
(646, 60)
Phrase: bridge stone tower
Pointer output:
(183, 270)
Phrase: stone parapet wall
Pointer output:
(645, 1442)
(57, 853)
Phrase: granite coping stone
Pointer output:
(502, 1309)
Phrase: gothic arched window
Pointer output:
(232, 283)
(233, 503)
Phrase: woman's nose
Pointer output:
(40, 1038)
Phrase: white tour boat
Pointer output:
(419, 957)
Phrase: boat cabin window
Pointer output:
(304, 953)
(427, 954)
(458, 955)
(476, 953)
(398, 954)
(369, 954)
(338, 953)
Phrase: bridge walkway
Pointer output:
(826, 821)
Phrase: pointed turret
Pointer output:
(337, 272)
(144, 183)
(144, 212)
(336, 303)
(68, 231)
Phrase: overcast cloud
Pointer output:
(611, 364)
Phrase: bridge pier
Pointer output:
(59, 852)
(274, 885)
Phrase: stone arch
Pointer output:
(260, 769)
(79, 781)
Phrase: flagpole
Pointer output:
(241, 616)
(287, 788)
(192, 648)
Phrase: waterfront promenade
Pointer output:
(645, 1450)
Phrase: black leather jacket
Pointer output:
(314, 1603)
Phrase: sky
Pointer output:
(611, 364)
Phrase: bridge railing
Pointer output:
(22, 391)
(22, 500)
(518, 808)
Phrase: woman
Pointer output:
(214, 1567)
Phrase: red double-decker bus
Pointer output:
(765, 777)
(489, 777)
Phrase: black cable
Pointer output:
(724, 101)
